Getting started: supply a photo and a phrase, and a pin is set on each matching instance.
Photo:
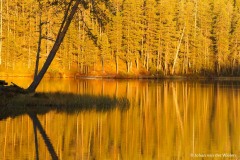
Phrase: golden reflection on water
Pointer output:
(166, 120)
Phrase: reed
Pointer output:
(40, 103)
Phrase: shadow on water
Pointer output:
(42, 103)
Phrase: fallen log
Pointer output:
(3, 83)
(11, 91)
(19, 89)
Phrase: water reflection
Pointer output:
(37, 125)
(36, 140)
(166, 120)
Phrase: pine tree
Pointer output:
(222, 11)
(235, 40)
(205, 24)
(169, 32)
(115, 33)
(132, 31)
(104, 49)
(150, 37)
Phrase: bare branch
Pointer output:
(48, 38)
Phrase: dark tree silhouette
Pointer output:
(69, 14)
(37, 125)
(72, 8)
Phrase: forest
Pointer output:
(123, 37)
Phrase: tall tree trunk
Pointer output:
(159, 54)
(8, 36)
(128, 66)
(116, 57)
(233, 66)
(102, 65)
(178, 48)
(187, 56)
(147, 60)
(39, 40)
(137, 63)
(14, 37)
(29, 46)
(1, 24)
(194, 65)
(79, 45)
(61, 34)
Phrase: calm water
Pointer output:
(166, 120)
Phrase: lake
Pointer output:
(167, 119)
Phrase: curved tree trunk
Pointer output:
(61, 34)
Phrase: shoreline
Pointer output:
(134, 77)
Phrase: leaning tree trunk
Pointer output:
(61, 34)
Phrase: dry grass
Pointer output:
(40, 103)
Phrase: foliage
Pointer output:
(136, 36)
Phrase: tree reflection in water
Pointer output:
(166, 120)
(37, 124)
(36, 140)
(91, 103)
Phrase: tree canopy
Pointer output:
(123, 36)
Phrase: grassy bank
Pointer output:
(40, 103)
